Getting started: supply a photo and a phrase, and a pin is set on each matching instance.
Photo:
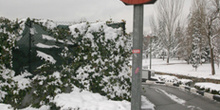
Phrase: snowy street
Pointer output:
(171, 98)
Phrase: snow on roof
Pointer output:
(48, 37)
(40, 45)
(46, 57)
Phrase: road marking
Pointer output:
(193, 107)
(177, 99)
(173, 97)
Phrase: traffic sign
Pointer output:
(137, 2)
(136, 51)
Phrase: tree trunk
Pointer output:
(168, 60)
(168, 56)
(211, 52)
(212, 61)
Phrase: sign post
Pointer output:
(137, 50)
(137, 57)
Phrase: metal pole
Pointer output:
(150, 51)
(29, 53)
(137, 57)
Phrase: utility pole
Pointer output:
(137, 57)
(150, 45)
(137, 50)
(29, 24)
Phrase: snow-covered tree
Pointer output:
(168, 18)
(197, 32)
(180, 38)
(212, 28)
(204, 27)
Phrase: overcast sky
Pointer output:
(76, 10)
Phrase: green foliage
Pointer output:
(45, 85)
(97, 61)
(10, 91)
(100, 63)
(8, 32)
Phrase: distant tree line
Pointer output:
(195, 39)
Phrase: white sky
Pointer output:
(75, 10)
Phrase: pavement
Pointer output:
(166, 97)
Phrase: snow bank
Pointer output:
(210, 86)
(5, 107)
(146, 104)
(44, 107)
(173, 79)
(85, 100)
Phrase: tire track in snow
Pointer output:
(177, 99)
(172, 97)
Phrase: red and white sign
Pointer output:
(137, 2)
(136, 51)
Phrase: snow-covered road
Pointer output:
(172, 98)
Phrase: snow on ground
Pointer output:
(173, 79)
(41, 108)
(146, 104)
(5, 107)
(181, 67)
(86, 100)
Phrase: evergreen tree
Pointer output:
(197, 33)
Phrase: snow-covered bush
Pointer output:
(100, 60)
(208, 87)
(45, 85)
(8, 33)
(13, 88)
(95, 59)
(173, 79)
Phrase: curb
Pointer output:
(192, 90)
(216, 97)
